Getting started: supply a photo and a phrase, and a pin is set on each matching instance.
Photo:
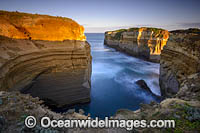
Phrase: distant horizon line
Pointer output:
(168, 27)
(146, 27)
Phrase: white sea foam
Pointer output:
(105, 69)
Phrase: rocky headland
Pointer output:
(179, 60)
(45, 56)
(34, 53)
(145, 43)
(179, 83)
(39, 27)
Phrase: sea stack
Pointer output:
(45, 56)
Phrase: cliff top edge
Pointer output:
(20, 25)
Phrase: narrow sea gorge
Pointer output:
(99, 66)
(113, 80)
(58, 68)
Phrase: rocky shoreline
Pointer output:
(179, 82)
(179, 59)
(48, 68)
(46, 57)
(145, 43)
(25, 57)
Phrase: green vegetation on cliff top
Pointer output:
(134, 29)
(118, 34)
(14, 16)
(190, 30)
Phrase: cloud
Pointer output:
(190, 24)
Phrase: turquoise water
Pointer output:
(113, 80)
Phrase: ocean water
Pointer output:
(113, 80)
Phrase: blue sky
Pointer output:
(102, 15)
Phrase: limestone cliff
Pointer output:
(143, 42)
(180, 85)
(45, 56)
(39, 27)
(180, 58)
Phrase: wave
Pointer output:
(101, 49)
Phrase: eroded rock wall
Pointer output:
(180, 58)
(180, 85)
(145, 43)
(47, 65)
(67, 64)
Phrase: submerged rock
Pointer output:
(179, 79)
(144, 86)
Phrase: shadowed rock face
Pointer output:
(180, 85)
(145, 43)
(56, 71)
(39, 27)
(50, 70)
(180, 58)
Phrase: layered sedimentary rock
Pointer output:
(16, 106)
(180, 58)
(180, 85)
(49, 58)
(145, 43)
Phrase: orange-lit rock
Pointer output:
(141, 42)
(46, 57)
(39, 27)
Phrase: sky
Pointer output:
(98, 16)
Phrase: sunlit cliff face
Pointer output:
(160, 43)
(153, 39)
(82, 35)
(39, 27)
(139, 35)
(156, 39)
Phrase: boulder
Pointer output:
(144, 86)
